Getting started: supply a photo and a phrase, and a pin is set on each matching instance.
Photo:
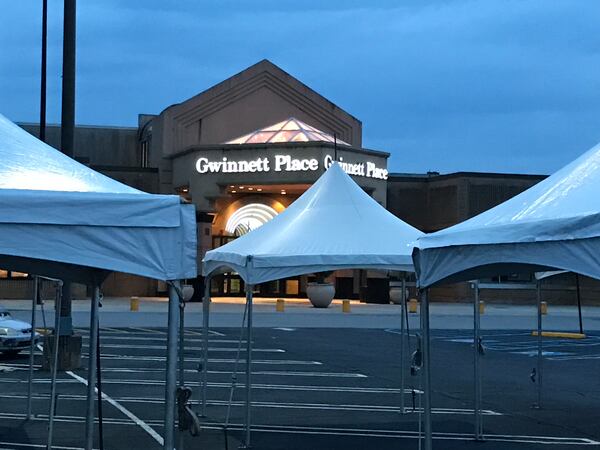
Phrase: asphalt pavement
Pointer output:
(228, 312)
(320, 388)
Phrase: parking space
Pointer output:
(318, 388)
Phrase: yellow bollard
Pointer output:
(280, 305)
(544, 308)
(346, 306)
(413, 304)
(481, 307)
(134, 304)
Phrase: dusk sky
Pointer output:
(499, 86)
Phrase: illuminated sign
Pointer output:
(368, 169)
(286, 163)
(203, 165)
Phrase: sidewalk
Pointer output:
(299, 313)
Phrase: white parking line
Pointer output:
(148, 330)
(523, 439)
(575, 357)
(161, 338)
(213, 360)
(210, 349)
(261, 372)
(163, 332)
(157, 437)
(281, 405)
(285, 373)
(143, 425)
(19, 444)
(218, 385)
(331, 431)
(112, 330)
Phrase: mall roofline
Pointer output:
(98, 127)
(439, 176)
(264, 65)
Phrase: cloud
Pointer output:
(442, 85)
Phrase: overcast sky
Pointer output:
(494, 85)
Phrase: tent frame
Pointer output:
(249, 288)
(171, 371)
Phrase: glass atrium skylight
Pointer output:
(289, 130)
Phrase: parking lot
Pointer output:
(320, 388)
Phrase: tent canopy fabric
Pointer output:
(554, 225)
(333, 225)
(60, 218)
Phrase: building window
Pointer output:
(144, 154)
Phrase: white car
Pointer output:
(15, 335)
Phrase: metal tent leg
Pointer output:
(578, 290)
(205, 326)
(99, 390)
(426, 370)
(57, 321)
(181, 345)
(32, 346)
(92, 367)
(476, 367)
(170, 387)
(248, 366)
(181, 356)
(402, 344)
(539, 344)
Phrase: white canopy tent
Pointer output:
(333, 225)
(553, 226)
(61, 219)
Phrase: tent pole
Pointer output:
(181, 342)
(171, 381)
(426, 369)
(579, 303)
(57, 321)
(181, 356)
(402, 343)
(539, 343)
(32, 345)
(92, 367)
(249, 289)
(477, 370)
(205, 322)
(99, 385)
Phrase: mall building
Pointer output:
(246, 148)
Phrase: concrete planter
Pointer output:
(396, 292)
(320, 294)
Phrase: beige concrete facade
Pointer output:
(168, 152)
(260, 95)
